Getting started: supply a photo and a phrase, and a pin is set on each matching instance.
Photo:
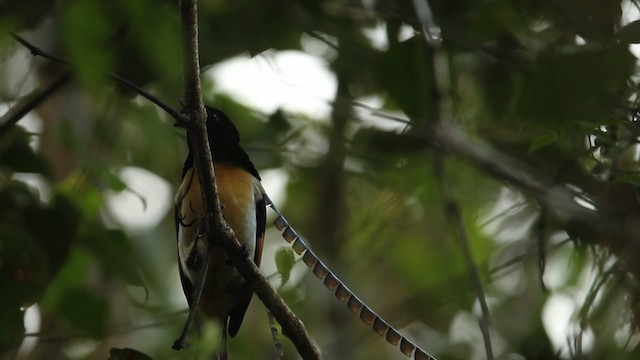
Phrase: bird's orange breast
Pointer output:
(237, 190)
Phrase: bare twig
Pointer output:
(453, 213)
(323, 38)
(216, 226)
(30, 102)
(179, 118)
(541, 243)
(36, 51)
(430, 29)
(115, 329)
(274, 336)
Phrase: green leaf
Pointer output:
(411, 87)
(285, 259)
(18, 156)
(579, 86)
(68, 298)
(114, 182)
(15, 196)
(85, 311)
(21, 158)
(86, 30)
(630, 33)
(113, 249)
(127, 354)
(24, 13)
(71, 275)
(543, 140)
(11, 327)
(24, 270)
(628, 178)
(54, 227)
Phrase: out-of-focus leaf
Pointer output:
(113, 249)
(147, 50)
(628, 178)
(20, 158)
(284, 263)
(88, 199)
(25, 13)
(72, 302)
(54, 227)
(11, 327)
(575, 87)
(410, 88)
(383, 151)
(278, 121)
(543, 140)
(71, 275)
(280, 24)
(114, 182)
(24, 270)
(630, 33)
(86, 31)
(15, 196)
(375, 143)
(127, 354)
(84, 311)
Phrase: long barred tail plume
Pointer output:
(342, 293)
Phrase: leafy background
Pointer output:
(549, 85)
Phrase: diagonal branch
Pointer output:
(217, 227)
(30, 102)
(455, 218)
(36, 51)
(447, 137)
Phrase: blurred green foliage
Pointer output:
(551, 84)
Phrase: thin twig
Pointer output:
(453, 213)
(323, 38)
(115, 329)
(179, 118)
(430, 29)
(36, 51)
(274, 336)
(541, 243)
(30, 102)
(522, 257)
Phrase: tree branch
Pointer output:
(455, 219)
(448, 137)
(30, 102)
(36, 51)
(217, 227)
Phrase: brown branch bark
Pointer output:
(217, 227)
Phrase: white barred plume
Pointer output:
(342, 292)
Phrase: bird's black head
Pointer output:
(220, 130)
(222, 133)
(224, 142)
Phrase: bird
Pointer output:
(226, 294)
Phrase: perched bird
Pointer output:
(226, 295)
